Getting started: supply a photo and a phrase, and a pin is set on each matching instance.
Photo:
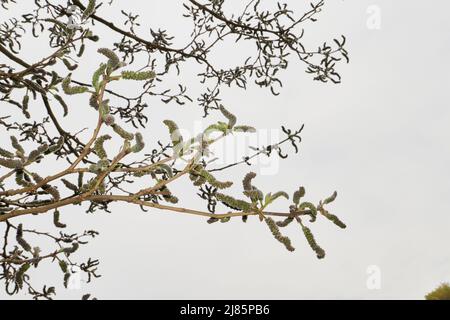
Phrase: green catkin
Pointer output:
(159, 169)
(213, 181)
(122, 132)
(278, 194)
(87, 187)
(52, 191)
(11, 164)
(113, 59)
(285, 222)
(220, 127)
(330, 198)
(233, 203)
(277, 234)
(174, 132)
(71, 90)
(56, 146)
(224, 220)
(69, 185)
(69, 66)
(230, 117)
(200, 180)
(138, 76)
(139, 143)
(90, 8)
(310, 206)
(298, 194)
(312, 242)
(103, 164)
(47, 188)
(93, 101)
(62, 104)
(104, 109)
(95, 168)
(25, 100)
(249, 190)
(247, 181)
(16, 145)
(168, 195)
(101, 188)
(244, 129)
(36, 154)
(333, 219)
(56, 221)
(20, 179)
(6, 153)
(96, 76)
(99, 148)
(21, 273)
(55, 80)
(254, 194)
(20, 240)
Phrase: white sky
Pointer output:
(380, 139)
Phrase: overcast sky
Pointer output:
(380, 139)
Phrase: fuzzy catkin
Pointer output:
(63, 104)
(244, 129)
(122, 132)
(312, 242)
(16, 145)
(20, 274)
(11, 163)
(247, 181)
(90, 8)
(298, 194)
(96, 76)
(233, 203)
(71, 90)
(25, 100)
(139, 143)
(138, 76)
(230, 117)
(56, 221)
(6, 153)
(333, 219)
(20, 240)
(69, 185)
(113, 59)
(330, 198)
(285, 222)
(175, 135)
(35, 154)
(213, 181)
(56, 146)
(277, 234)
(20, 179)
(99, 148)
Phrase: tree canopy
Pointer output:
(116, 163)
